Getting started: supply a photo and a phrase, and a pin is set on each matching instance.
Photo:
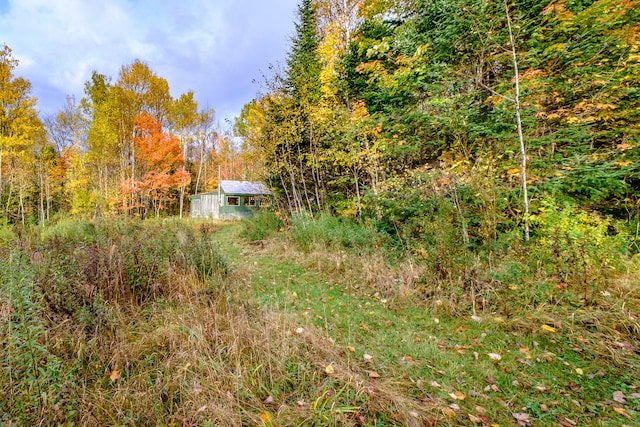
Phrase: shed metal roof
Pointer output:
(239, 187)
(243, 187)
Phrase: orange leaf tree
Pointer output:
(160, 157)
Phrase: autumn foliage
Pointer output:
(161, 162)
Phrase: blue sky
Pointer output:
(214, 47)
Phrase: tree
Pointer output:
(103, 151)
(20, 127)
(161, 159)
(183, 118)
(137, 90)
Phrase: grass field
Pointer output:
(179, 323)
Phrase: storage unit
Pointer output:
(232, 200)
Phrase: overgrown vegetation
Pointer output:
(501, 334)
(325, 322)
(145, 323)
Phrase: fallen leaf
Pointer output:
(268, 400)
(548, 328)
(434, 384)
(541, 388)
(114, 375)
(574, 387)
(374, 374)
(367, 357)
(566, 422)
(329, 369)
(622, 412)
(351, 348)
(619, 397)
(579, 371)
(634, 396)
(457, 395)
(448, 412)
(414, 414)
(494, 356)
(299, 330)
(544, 408)
(502, 402)
(474, 419)
(522, 418)
(480, 410)
(599, 373)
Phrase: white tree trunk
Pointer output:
(523, 153)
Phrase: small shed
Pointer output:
(232, 200)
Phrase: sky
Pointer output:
(216, 48)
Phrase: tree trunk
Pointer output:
(21, 204)
(314, 167)
(304, 181)
(355, 176)
(523, 154)
(463, 224)
(41, 204)
(202, 150)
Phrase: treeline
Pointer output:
(126, 148)
(402, 111)
(395, 111)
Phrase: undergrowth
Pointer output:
(143, 323)
(324, 322)
(548, 330)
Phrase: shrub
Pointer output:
(334, 232)
(262, 225)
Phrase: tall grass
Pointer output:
(334, 233)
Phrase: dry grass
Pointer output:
(216, 360)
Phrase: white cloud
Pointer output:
(213, 47)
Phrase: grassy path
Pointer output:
(530, 368)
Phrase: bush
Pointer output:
(262, 225)
(334, 232)
(128, 261)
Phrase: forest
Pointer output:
(453, 241)
(482, 101)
